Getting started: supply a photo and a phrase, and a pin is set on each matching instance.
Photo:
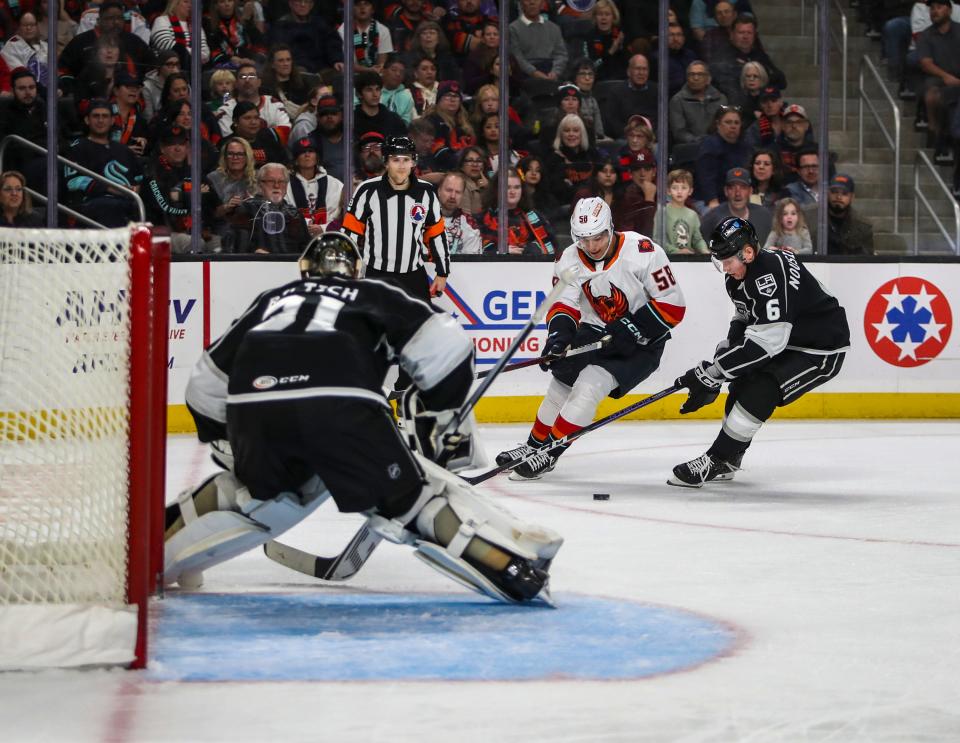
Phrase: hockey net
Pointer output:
(83, 361)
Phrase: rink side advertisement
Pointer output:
(904, 359)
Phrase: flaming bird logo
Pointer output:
(609, 307)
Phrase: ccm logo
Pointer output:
(267, 382)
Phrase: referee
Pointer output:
(396, 218)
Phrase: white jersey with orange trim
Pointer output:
(635, 278)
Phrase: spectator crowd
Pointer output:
(581, 118)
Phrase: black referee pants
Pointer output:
(415, 284)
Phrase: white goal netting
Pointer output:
(64, 425)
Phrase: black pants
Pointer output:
(629, 370)
(416, 285)
(783, 380)
(351, 443)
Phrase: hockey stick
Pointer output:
(565, 279)
(571, 437)
(337, 568)
(595, 346)
(365, 541)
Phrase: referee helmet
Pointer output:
(331, 254)
(400, 146)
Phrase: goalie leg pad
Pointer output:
(239, 523)
(472, 515)
(593, 384)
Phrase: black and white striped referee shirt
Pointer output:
(396, 226)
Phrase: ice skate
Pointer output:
(514, 455)
(705, 468)
(535, 467)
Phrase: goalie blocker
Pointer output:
(295, 385)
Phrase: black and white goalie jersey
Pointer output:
(328, 337)
(780, 306)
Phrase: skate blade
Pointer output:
(681, 484)
(517, 477)
(460, 571)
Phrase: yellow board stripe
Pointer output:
(810, 406)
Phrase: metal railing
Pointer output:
(892, 141)
(16, 139)
(839, 43)
(918, 197)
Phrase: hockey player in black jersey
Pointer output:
(295, 385)
(788, 335)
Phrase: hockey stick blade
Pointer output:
(337, 568)
(570, 438)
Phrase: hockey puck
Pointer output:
(601, 496)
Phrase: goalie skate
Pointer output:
(469, 577)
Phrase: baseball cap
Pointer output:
(794, 109)
(636, 120)
(244, 107)
(842, 181)
(448, 87)
(304, 144)
(125, 78)
(172, 133)
(328, 104)
(643, 159)
(738, 175)
(96, 103)
(569, 89)
(369, 138)
(770, 93)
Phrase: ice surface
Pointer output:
(834, 556)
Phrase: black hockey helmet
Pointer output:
(729, 237)
(331, 254)
(400, 146)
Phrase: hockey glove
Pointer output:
(625, 336)
(554, 348)
(703, 387)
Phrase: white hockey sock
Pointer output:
(593, 384)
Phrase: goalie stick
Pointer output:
(571, 437)
(337, 568)
(358, 550)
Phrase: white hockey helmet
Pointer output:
(591, 217)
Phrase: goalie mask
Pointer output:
(332, 254)
(591, 218)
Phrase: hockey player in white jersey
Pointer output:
(624, 289)
(295, 384)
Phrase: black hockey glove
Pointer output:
(703, 387)
(554, 348)
(625, 336)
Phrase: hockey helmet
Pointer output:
(729, 237)
(591, 217)
(331, 254)
(400, 146)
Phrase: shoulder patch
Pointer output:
(645, 246)
(766, 285)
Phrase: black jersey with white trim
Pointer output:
(325, 337)
(780, 305)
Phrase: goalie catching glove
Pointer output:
(703, 382)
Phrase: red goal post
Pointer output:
(83, 369)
